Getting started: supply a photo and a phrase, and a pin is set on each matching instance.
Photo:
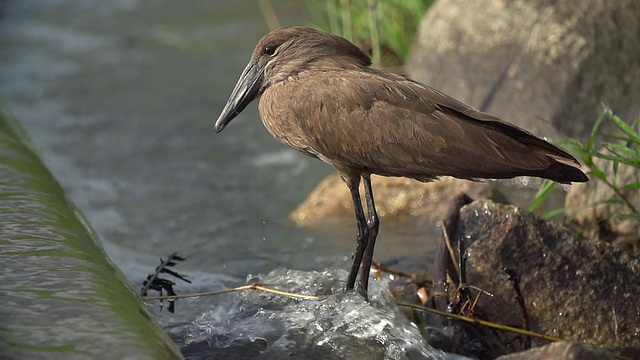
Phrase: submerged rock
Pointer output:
(574, 288)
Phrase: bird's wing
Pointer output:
(390, 125)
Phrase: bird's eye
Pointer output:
(269, 50)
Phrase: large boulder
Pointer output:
(574, 288)
(543, 65)
(398, 200)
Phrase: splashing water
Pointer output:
(255, 324)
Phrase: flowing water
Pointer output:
(119, 97)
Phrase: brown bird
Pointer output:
(319, 96)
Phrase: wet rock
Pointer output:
(397, 199)
(574, 288)
(543, 65)
(586, 205)
(560, 350)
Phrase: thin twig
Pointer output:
(452, 252)
(378, 265)
(269, 14)
(376, 50)
(239, 288)
(492, 325)
(347, 30)
(478, 321)
(621, 195)
(462, 289)
(399, 303)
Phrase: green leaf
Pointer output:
(597, 173)
(631, 162)
(624, 139)
(545, 190)
(621, 149)
(627, 216)
(624, 127)
(610, 201)
(595, 130)
(635, 185)
(554, 212)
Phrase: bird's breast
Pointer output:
(278, 111)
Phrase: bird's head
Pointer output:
(284, 53)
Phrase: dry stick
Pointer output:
(446, 264)
(478, 321)
(345, 11)
(313, 297)
(269, 13)
(452, 252)
(443, 264)
(399, 303)
(620, 195)
(239, 288)
(378, 265)
(462, 272)
(491, 325)
(376, 51)
(449, 225)
(477, 298)
(471, 305)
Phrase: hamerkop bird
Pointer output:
(319, 96)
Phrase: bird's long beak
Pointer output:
(245, 92)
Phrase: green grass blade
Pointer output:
(598, 173)
(554, 212)
(615, 158)
(626, 128)
(635, 185)
(595, 130)
(620, 138)
(611, 201)
(627, 216)
(545, 190)
(621, 149)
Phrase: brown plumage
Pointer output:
(318, 95)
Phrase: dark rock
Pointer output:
(543, 65)
(560, 350)
(574, 289)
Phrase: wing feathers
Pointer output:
(385, 124)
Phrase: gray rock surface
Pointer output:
(574, 289)
(560, 350)
(545, 66)
(587, 205)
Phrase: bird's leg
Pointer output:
(363, 230)
(373, 223)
